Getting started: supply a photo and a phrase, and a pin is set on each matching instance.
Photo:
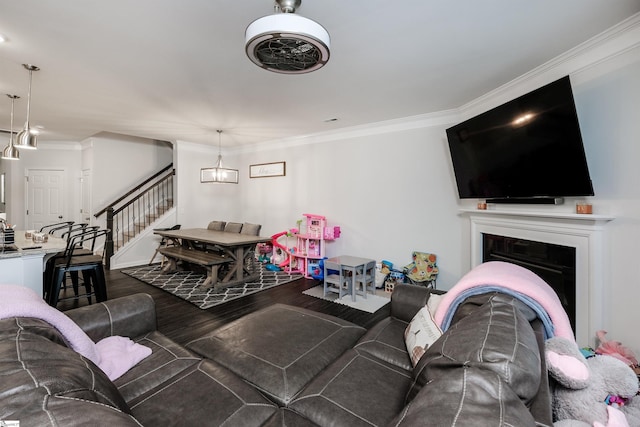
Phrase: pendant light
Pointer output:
(27, 138)
(10, 152)
(218, 173)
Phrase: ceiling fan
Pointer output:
(287, 43)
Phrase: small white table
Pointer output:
(351, 264)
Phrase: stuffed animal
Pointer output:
(615, 349)
(594, 391)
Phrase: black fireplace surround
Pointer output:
(555, 264)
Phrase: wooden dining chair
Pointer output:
(250, 229)
(164, 242)
(233, 227)
(216, 225)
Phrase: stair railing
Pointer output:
(130, 213)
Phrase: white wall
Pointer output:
(59, 156)
(607, 97)
(118, 162)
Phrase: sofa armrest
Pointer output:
(406, 300)
(129, 316)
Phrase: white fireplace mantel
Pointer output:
(585, 233)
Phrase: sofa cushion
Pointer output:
(37, 372)
(466, 396)
(495, 337)
(167, 360)
(356, 390)
(385, 341)
(280, 348)
(129, 316)
(203, 394)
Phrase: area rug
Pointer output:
(187, 284)
(371, 304)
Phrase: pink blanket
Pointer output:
(114, 355)
(497, 274)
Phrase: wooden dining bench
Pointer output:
(211, 262)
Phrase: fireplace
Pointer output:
(544, 234)
(555, 264)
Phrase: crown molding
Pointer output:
(603, 47)
(438, 118)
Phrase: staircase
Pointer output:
(136, 210)
(129, 233)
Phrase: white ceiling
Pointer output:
(176, 69)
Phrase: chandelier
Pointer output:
(219, 173)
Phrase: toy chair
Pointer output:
(423, 270)
(335, 279)
(365, 280)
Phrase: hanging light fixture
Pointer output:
(218, 173)
(10, 152)
(28, 138)
(287, 43)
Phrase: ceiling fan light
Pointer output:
(287, 43)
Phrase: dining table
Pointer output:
(237, 246)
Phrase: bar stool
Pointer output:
(52, 228)
(91, 267)
(73, 229)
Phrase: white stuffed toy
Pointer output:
(595, 391)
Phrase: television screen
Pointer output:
(528, 148)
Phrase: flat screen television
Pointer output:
(528, 150)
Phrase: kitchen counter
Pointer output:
(24, 265)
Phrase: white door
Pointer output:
(85, 195)
(45, 197)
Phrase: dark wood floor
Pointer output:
(183, 321)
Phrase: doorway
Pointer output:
(45, 197)
(85, 196)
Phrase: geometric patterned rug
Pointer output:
(186, 284)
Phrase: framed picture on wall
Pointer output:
(2, 199)
(264, 170)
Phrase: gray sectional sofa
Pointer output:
(284, 366)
